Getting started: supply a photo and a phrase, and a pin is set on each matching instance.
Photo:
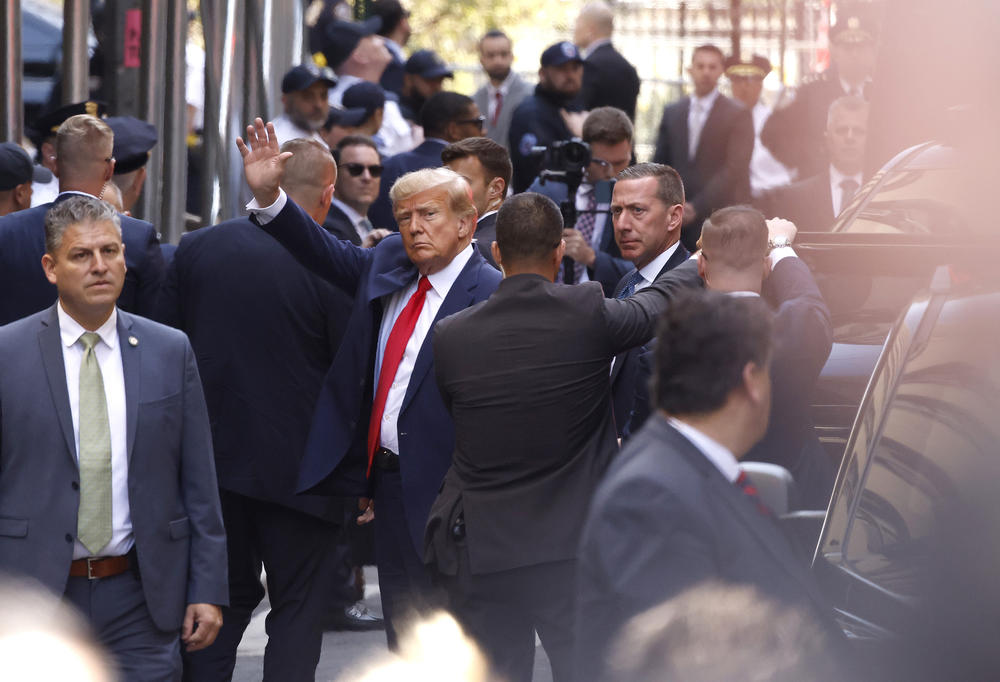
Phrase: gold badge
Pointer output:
(90, 108)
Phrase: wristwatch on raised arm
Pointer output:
(778, 242)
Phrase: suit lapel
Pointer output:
(50, 344)
(131, 370)
(711, 122)
(681, 130)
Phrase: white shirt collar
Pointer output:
(850, 90)
(351, 214)
(652, 269)
(593, 46)
(442, 280)
(743, 294)
(707, 101)
(488, 213)
(75, 191)
(70, 330)
(836, 177)
(715, 452)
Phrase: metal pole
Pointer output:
(152, 83)
(173, 136)
(11, 107)
(75, 60)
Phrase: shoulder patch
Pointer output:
(528, 141)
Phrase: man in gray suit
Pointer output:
(500, 96)
(107, 484)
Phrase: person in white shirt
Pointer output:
(504, 90)
(304, 97)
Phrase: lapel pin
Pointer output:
(132, 341)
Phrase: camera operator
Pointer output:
(590, 242)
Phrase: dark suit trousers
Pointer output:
(116, 609)
(503, 610)
(403, 581)
(298, 553)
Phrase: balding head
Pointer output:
(310, 176)
(596, 21)
(84, 145)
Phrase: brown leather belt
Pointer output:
(99, 567)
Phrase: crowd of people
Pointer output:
(522, 388)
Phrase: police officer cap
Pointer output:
(16, 168)
(364, 95)
(757, 66)
(47, 124)
(341, 39)
(853, 29)
(345, 118)
(561, 53)
(302, 76)
(427, 64)
(133, 140)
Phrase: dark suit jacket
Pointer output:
(625, 375)
(173, 498)
(665, 519)
(533, 424)
(263, 346)
(609, 80)
(609, 266)
(336, 452)
(486, 234)
(426, 155)
(24, 289)
(719, 174)
(340, 226)
(807, 203)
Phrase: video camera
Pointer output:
(564, 161)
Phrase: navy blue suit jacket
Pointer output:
(336, 452)
(24, 289)
(426, 155)
(265, 331)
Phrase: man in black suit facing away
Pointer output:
(485, 165)
(359, 171)
(533, 435)
(674, 508)
(708, 138)
(264, 332)
(608, 79)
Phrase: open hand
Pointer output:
(263, 162)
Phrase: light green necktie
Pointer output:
(94, 519)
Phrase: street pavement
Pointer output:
(343, 652)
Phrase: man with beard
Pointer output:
(505, 89)
(544, 117)
(424, 77)
(304, 91)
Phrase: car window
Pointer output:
(911, 201)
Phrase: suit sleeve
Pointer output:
(608, 270)
(632, 321)
(662, 153)
(207, 574)
(732, 184)
(168, 306)
(150, 276)
(803, 330)
(335, 260)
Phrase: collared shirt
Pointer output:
(354, 217)
(441, 283)
(109, 358)
(652, 269)
(855, 90)
(285, 130)
(600, 219)
(836, 191)
(593, 46)
(766, 172)
(492, 90)
(716, 453)
(698, 113)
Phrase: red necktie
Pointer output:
(743, 481)
(496, 109)
(400, 335)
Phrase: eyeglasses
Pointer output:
(478, 122)
(356, 169)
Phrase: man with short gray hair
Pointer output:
(107, 456)
(84, 165)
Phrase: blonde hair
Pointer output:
(415, 182)
(83, 140)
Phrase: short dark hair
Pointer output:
(493, 157)
(391, 12)
(704, 341)
(669, 186)
(354, 141)
(736, 236)
(607, 125)
(708, 47)
(493, 33)
(442, 108)
(529, 227)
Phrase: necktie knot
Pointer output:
(89, 340)
(423, 285)
(631, 282)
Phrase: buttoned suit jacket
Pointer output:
(25, 290)
(340, 226)
(807, 203)
(665, 519)
(263, 345)
(173, 499)
(719, 174)
(533, 425)
(609, 80)
(426, 155)
(336, 450)
(519, 89)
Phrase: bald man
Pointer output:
(264, 331)
(609, 80)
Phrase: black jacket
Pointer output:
(609, 81)
(536, 123)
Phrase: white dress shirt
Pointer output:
(698, 113)
(491, 92)
(716, 453)
(109, 358)
(285, 130)
(354, 217)
(652, 268)
(837, 192)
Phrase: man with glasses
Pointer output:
(590, 244)
(84, 164)
(446, 117)
(359, 170)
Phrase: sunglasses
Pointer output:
(356, 169)
(478, 122)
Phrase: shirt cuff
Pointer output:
(777, 254)
(266, 214)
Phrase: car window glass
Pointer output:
(914, 201)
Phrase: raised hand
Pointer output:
(263, 163)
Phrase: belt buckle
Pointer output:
(90, 567)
